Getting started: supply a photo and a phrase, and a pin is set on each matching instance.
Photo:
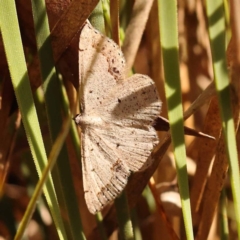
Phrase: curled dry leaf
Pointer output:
(69, 25)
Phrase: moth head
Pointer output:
(77, 118)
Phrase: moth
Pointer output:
(116, 119)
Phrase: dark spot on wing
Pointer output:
(115, 70)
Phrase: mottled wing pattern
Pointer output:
(128, 116)
(116, 119)
(104, 174)
(133, 103)
(101, 66)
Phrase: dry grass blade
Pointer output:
(202, 99)
(162, 124)
(114, 14)
(235, 5)
(238, 141)
(217, 177)
(8, 145)
(206, 152)
(7, 98)
(135, 30)
(214, 187)
(233, 65)
(161, 210)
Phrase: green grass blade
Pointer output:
(19, 75)
(54, 101)
(169, 45)
(223, 217)
(38, 190)
(96, 18)
(216, 21)
(99, 220)
(123, 217)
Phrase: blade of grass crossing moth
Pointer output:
(169, 45)
(96, 18)
(52, 87)
(18, 71)
(121, 204)
(73, 130)
(114, 13)
(217, 32)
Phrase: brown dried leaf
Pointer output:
(69, 25)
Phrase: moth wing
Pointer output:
(101, 66)
(133, 103)
(125, 139)
(131, 145)
(129, 117)
(104, 174)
